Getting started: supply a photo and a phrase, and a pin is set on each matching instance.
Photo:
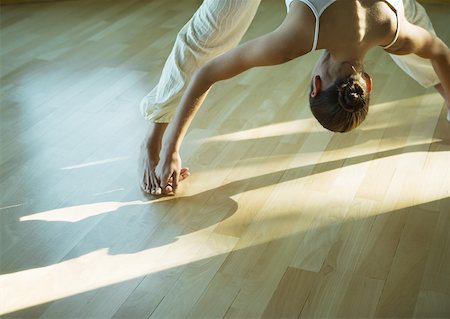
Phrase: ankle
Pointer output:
(155, 133)
(158, 128)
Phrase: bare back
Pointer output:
(352, 25)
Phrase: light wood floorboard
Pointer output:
(280, 218)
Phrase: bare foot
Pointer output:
(149, 158)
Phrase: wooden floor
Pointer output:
(280, 218)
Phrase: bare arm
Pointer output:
(263, 51)
(285, 43)
(414, 39)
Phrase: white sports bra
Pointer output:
(319, 6)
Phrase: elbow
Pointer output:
(203, 77)
(445, 54)
(441, 53)
(441, 58)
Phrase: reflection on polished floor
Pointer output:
(280, 218)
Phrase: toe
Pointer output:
(144, 188)
(144, 183)
(154, 183)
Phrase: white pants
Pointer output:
(217, 26)
(418, 68)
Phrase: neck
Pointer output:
(349, 63)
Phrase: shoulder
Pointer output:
(294, 36)
(298, 27)
(417, 40)
(388, 21)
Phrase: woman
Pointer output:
(340, 90)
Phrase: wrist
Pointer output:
(171, 142)
(168, 149)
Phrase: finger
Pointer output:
(168, 189)
(165, 181)
(184, 174)
(175, 180)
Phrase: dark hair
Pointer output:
(343, 106)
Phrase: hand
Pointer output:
(168, 171)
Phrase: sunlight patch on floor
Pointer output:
(75, 214)
(312, 212)
(98, 269)
(272, 130)
(11, 206)
(379, 111)
(109, 192)
(94, 163)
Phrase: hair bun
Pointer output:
(351, 96)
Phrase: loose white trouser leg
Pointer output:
(418, 68)
(217, 26)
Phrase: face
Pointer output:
(326, 72)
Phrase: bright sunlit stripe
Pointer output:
(96, 163)
(271, 130)
(109, 192)
(75, 214)
(11, 206)
(31, 287)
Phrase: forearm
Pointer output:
(441, 64)
(190, 103)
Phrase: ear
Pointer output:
(317, 86)
(368, 81)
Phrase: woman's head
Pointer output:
(344, 103)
